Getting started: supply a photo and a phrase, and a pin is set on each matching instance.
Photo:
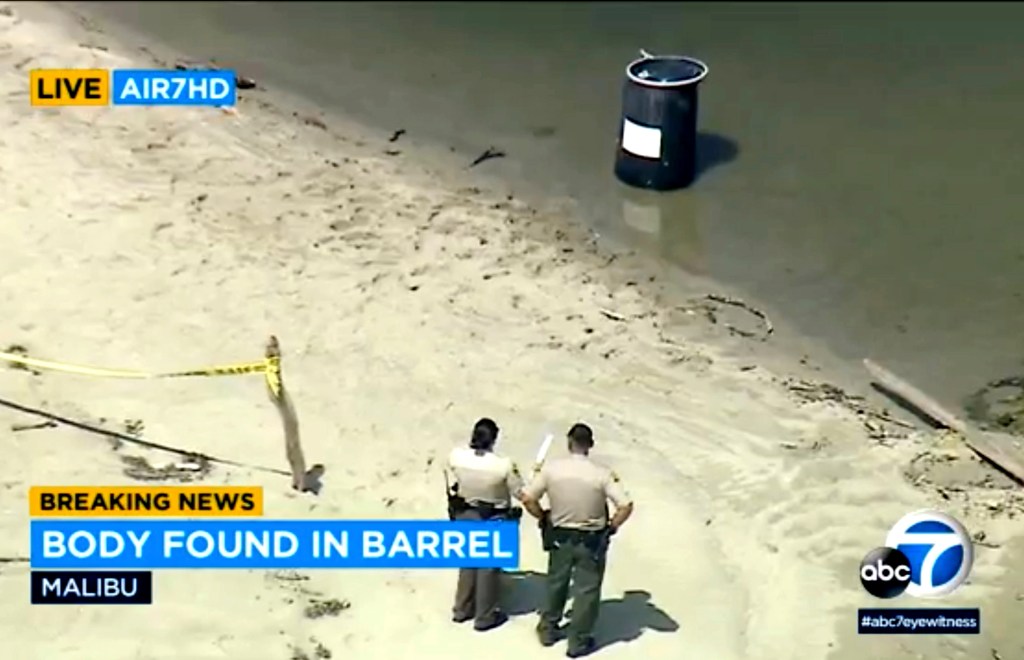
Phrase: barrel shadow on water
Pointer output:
(713, 150)
(621, 620)
(667, 223)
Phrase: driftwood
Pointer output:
(240, 81)
(17, 428)
(490, 153)
(996, 448)
(612, 316)
(874, 420)
(302, 480)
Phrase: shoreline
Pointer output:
(413, 305)
(777, 222)
(787, 352)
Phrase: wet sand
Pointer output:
(410, 299)
(861, 168)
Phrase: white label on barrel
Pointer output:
(642, 141)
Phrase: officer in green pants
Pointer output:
(576, 531)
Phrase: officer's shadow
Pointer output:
(621, 619)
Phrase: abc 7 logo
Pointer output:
(927, 554)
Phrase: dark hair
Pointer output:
(485, 434)
(581, 435)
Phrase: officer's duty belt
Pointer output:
(573, 535)
(488, 511)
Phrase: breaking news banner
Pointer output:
(272, 544)
(97, 544)
(144, 501)
(919, 621)
(139, 87)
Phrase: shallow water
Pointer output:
(862, 165)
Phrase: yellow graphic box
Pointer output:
(145, 501)
(62, 87)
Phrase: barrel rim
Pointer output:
(705, 69)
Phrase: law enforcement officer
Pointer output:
(482, 485)
(576, 531)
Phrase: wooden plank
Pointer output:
(999, 449)
(915, 397)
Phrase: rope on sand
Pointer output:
(187, 453)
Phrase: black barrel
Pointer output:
(658, 140)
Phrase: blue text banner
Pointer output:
(273, 544)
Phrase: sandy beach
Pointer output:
(410, 300)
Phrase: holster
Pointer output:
(598, 542)
(456, 505)
(547, 532)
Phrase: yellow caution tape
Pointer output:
(272, 373)
(226, 370)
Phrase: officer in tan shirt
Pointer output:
(576, 531)
(481, 486)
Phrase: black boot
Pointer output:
(498, 619)
(586, 648)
